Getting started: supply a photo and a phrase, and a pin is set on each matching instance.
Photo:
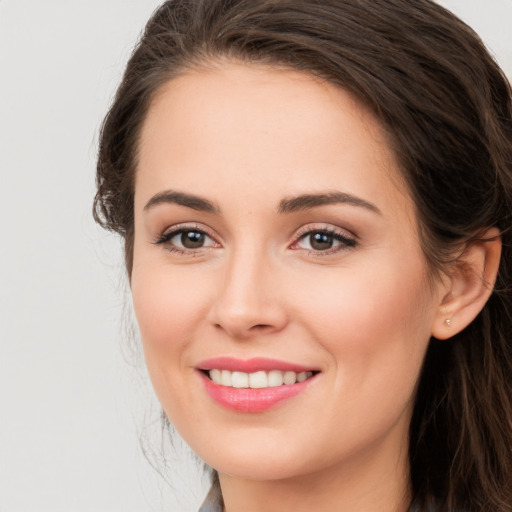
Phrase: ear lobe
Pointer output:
(469, 285)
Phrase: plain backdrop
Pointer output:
(74, 398)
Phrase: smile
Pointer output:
(257, 380)
(254, 385)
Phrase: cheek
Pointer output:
(168, 305)
(169, 310)
(375, 323)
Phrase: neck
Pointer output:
(372, 482)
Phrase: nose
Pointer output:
(248, 301)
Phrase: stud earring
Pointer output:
(448, 322)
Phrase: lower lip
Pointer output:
(252, 400)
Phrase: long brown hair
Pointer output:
(447, 108)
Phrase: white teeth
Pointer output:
(275, 378)
(216, 376)
(240, 380)
(225, 378)
(301, 377)
(289, 378)
(257, 380)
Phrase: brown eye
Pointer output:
(321, 241)
(186, 240)
(192, 239)
(324, 241)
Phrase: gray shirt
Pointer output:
(213, 501)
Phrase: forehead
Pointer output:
(266, 131)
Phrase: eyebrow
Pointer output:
(182, 199)
(289, 205)
(307, 201)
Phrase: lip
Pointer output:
(255, 364)
(249, 400)
(252, 400)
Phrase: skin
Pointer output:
(245, 138)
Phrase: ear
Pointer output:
(468, 285)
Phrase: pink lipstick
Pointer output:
(253, 385)
(251, 365)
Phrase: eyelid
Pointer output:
(329, 228)
(348, 239)
(175, 229)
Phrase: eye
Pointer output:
(323, 241)
(189, 239)
(186, 239)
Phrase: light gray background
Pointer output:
(73, 401)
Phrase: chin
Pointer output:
(257, 469)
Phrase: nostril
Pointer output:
(236, 331)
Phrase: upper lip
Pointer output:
(255, 364)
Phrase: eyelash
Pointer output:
(167, 236)
(346, 242)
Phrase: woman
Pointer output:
(315, 199)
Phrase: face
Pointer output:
(278, 280)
